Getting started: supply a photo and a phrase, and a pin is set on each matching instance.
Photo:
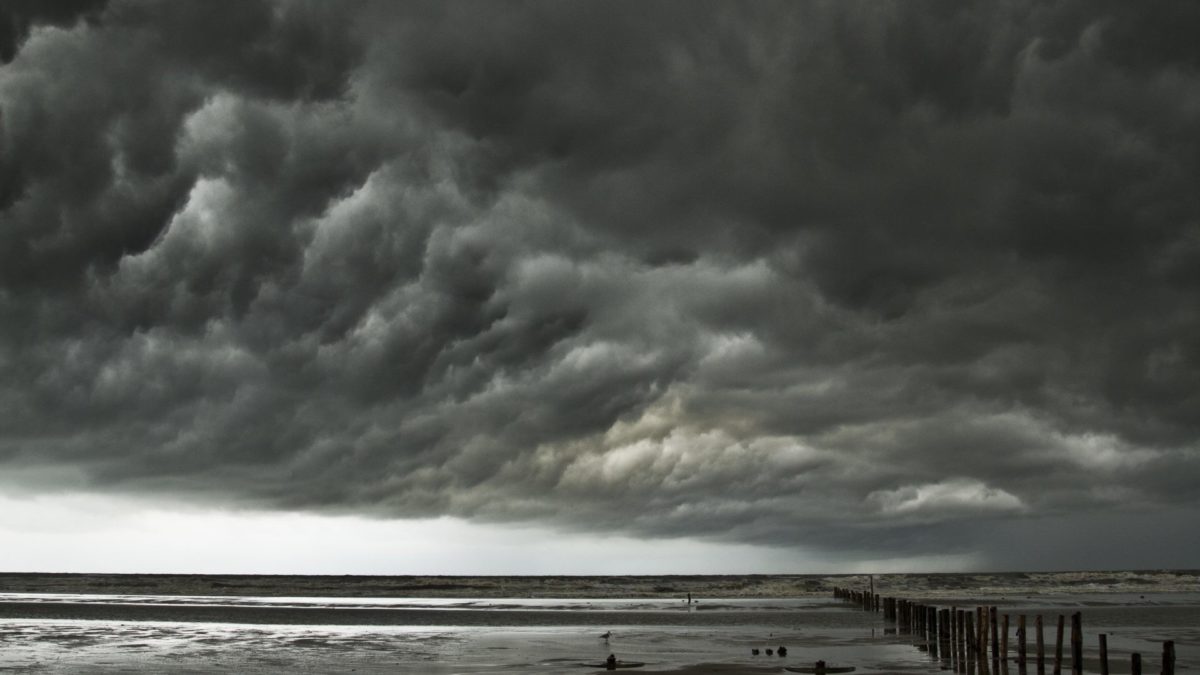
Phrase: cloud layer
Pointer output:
(827, 273)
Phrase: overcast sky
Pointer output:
(769, 285)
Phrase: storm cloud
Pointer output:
(845, 274)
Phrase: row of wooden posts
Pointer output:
(963, 635)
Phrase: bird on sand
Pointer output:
(606, 636)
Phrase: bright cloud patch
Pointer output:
(946, 499)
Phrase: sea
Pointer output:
(159, 623)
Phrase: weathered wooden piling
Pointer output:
(1041, 646)
(982, 637)
(953, 638)
(932, 636)
(1022, 664)
(984, 634)
(1058, 639)
(1168, 658)
(1135, 664)
(1004, 642)
(960, 622)
(943, 627)
(969, 629)
(1076, 644)
(1103, 654)
(995, 637)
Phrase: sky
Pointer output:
(571, 287)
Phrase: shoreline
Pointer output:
(945, 586)
(57, 633)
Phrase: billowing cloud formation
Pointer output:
(820, 272)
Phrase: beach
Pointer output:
(448, 625)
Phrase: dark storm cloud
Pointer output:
(18, 17)
(840, 274)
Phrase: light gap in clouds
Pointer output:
(80, 532)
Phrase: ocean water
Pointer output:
(200, 624)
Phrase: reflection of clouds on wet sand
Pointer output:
(70, 646)
(178, 647)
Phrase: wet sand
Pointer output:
(169, 624)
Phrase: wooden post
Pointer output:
(931, 630)
(952, 627)
(1041, 647)
(1004, 643)
(1021, 662)
(1076, 644)
(944, 633)
(1168, 664)
(995, 638)
(1135, 664)
(972, 648)
(961, 625)
(1058, 647)
(983, 640)
(1103, 654)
